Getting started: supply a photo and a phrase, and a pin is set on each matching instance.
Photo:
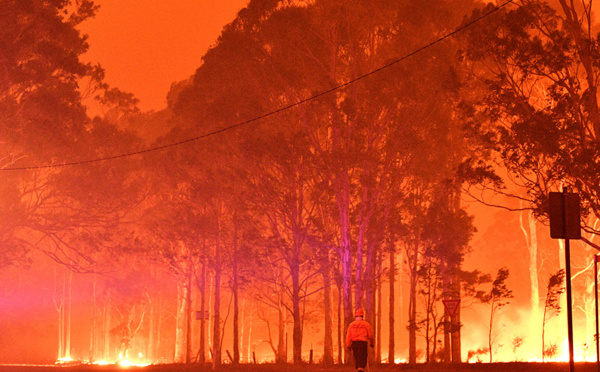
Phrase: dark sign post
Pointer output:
(596, 259)
(597, 336)
(565, 224)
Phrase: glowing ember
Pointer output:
(64, 360)
(128, 363)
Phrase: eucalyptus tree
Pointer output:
(41, 114)
(537, 70)
(552, 308)
(44, 125)
(539, 113)
(446, 233)
(498, 296)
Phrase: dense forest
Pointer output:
(319, 160)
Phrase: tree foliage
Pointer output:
(498, 296)
(552, 307)
(539, 112)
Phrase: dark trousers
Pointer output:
(359, 350)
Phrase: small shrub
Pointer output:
(551, 351)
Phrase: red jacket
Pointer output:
(360, 330)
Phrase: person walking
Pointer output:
(359, 337)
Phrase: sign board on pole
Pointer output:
(199, 315)
(451, 305)
(564, 215)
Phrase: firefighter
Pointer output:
(360, 336)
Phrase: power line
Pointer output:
(274, 112)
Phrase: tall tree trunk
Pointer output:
(447, 294)
(391, 301)
(281, 341)
(544, 331)
(412, 256)
(244, 331)
(342, 190)
(249, 337)
(202, 347)
(379, 312)
(341, 346)
(180, 321)
(447, 337)
(365, 271)
(93, 331)
(533, 270)
(236, 314)
(68, 320)
(159, 320)
(428, 312)
(360, 279)
(328, 338)
(455, 287)
(297, 330)
(106, 330)
(370, 283)
(216, 344)
(61, 330)
(210, 306)
(243, 327)
(490, 330)
(530, 234)
(188, 313)
(347, 287)
(235, 290)
(370, 289)
(59, 304)
(151, 347)
(456, 338)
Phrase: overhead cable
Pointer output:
(274, 112)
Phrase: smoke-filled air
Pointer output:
(238, 183)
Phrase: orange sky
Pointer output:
(145, 45)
